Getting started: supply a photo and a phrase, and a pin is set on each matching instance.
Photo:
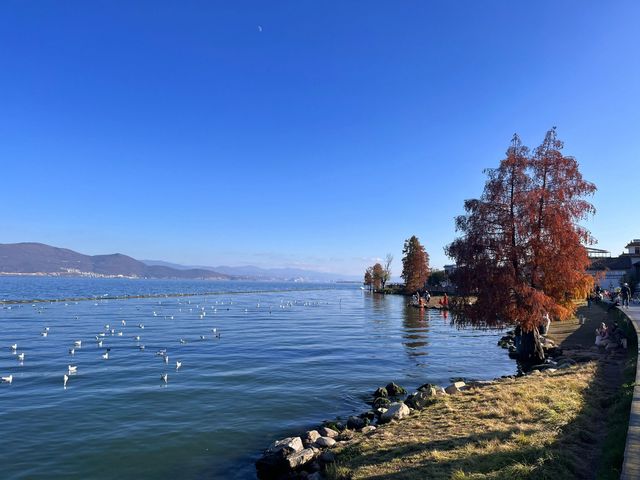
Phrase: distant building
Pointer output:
(609, 271)
(449, 269)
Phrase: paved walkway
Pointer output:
(631, 465)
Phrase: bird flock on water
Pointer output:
(110, 333)
(105, 335)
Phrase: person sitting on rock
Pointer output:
(602, 335)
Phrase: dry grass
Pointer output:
(533, 427)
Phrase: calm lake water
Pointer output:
(289, 356)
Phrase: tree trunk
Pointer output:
(531, 351)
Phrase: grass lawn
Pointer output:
(570, 424)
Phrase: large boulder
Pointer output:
(355, 423)
(298, 459)
(381, 402)
(396, 411)
(311, 436)
(419, 400)
(288, 445)
(428, 387)
(395, 390)
(380, 392)
(325, 442)
(455, 387)
(328, 432)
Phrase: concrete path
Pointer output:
(631, 465)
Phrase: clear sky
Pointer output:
(301, 133)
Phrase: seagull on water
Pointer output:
(124, 323)
(183, 341)
(166, 359)
(14, 347)
(8, 379)
(119, 334)
(141, 325)
(164, 377)
(178, 365)
(45, 333)
(100, 343)
(137, 338)
(141, 347)
(21, 357)
(105, 355)
(72, 351)
(77, 343)
(73, 369)
(65, 379)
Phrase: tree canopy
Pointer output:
(415, 265)
(521, 254)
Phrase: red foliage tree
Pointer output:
(415, 265)
(521, 253)
(368, 278)
(378, 276)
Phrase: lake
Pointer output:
(289, 356)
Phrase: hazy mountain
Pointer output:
(41, 258)
(259, 273)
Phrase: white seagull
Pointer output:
(124, 323)
(65, 379)
(8, 379)
(73, 369)
(14, 347)
(164, 377)
(21, 357)
(72, 351)
(105, 355)
(45, 333)
(77, 343)
(178, 365)
(166, 359)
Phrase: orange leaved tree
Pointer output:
(521, 254)
(415, 265)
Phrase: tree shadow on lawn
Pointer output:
(576, 452)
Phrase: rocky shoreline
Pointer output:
(308, 455)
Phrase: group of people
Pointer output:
(422, 299)
(609, 338)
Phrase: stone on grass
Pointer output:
(325, 442)
(396, 411)
(328, 432)
(455, 387)
(354, 423)
(419, 400)
(298, 459)
(367, 429)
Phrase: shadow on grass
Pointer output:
(590, 447)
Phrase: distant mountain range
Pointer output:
(38, 258)
(259, 273)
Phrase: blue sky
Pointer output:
(300, 133)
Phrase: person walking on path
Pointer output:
(625, 293)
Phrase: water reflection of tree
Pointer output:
(415, 329)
